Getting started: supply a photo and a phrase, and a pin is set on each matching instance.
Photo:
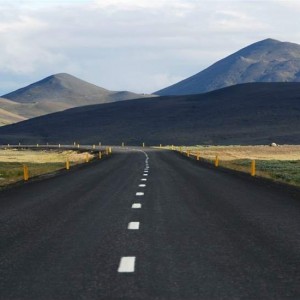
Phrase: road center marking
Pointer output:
(144, 179)
(140, 194)
(145, 174)
(142, 185)
(127, 264)
(134, 225)
(136, 205)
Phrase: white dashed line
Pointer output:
(145, 174)
(127, 264)
(144, 179)
(136, 205)
(142, 185)
(139, 194)
(134, 225)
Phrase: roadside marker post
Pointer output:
(188, 153)
(78, 146)
(58, 145)
(123, 144)
(198, 155)
(94, 147)
(253, 168)
(106, 151)
(100, 154)
(217, 161)
(86, 157)
(37, 145)
(26, 172)
(110, 150)
(67, 164)
(143, 145)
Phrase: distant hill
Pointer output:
(59, 92)
(265, 61)
(7, 112)
(254, 113)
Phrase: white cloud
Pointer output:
(139, 45)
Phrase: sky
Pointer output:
(135, 45)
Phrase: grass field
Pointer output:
(38, 162)
(281, 163)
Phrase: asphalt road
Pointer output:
(199, 234)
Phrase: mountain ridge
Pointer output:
(268, 60)
(252, 113)
(58, 92)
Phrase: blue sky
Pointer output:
(137, 45)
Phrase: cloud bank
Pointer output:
(137, 45)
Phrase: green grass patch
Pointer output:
(11, 172)
(287, 171)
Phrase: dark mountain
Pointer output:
(59, 92)
(265, 61)
(254, 113)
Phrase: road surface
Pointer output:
(149, 224)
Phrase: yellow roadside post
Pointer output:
(100, 154)
(67, 164)
(253, 168)
(26, 173)
(86, 157)
(110, 150)
(94, 147)
(106, 151)
(188, 153)
(198, 155)
(217, 161)
(78, 146)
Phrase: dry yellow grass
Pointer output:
(284, 152)
(38, 162)
(40, 157)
